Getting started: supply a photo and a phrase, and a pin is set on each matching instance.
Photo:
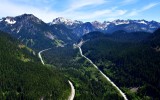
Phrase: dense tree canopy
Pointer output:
(128, 63)
(22, 76)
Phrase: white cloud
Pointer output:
(109, 13)
(82, 3)
(12, 9)
(150, 6)
(99, 15)
(127, 2)
(145, 8)
(73, 11)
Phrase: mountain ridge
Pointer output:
(111, 26)
(35, 33)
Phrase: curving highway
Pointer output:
(108, 79)
(71, 97)
(39, 55)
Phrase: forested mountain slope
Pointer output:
(132, 65)
(118, 36)
(22, 77)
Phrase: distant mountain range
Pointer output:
(81, 28)
(37, 34)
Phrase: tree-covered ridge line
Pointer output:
(132, 65)
(23, 79)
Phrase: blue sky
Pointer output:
(84, 10)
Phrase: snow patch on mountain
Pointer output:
(120, 22)
(10, 21)
(18, 30)
(142, 22)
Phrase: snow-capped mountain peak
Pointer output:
(61, 20)
(29, 22)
